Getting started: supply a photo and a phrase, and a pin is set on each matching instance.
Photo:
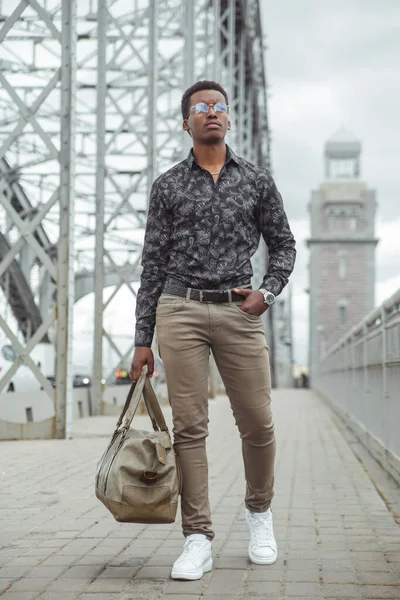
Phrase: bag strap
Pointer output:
(143, 386)
(139, 389)
(153, 406)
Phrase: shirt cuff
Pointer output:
(271, 285)
(143, 339)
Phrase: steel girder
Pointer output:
(134, 59)
(37, 104)
(14, 281)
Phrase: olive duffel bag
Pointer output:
(138, 477)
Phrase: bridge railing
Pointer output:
(360, 377)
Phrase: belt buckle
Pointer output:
(201, 296)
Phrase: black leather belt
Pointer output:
(212, 296)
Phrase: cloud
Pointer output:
(330, 66)
(385, 289)
(388, 251)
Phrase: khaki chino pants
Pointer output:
(187, 331)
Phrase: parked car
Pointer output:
(82, 380)
(122, 375)
(78, 381)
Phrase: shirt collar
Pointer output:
(230, 155)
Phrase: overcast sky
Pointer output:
(332, 65)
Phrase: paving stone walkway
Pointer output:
(336, 537)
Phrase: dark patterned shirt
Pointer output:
(202, 235)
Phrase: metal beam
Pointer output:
(152, 87)
(100, 207)
(65, 296)
(189, 72)
(217, 39)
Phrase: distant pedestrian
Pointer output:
(304, 380)
(205, 219)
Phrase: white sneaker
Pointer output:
(195, 560)
(262, 547)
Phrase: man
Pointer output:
(205, 218)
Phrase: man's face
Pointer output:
(207, 127)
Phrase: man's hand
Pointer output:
(254, 301)
(141, 357)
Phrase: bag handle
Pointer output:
(143, 386)
(153, 406)
(138, 387)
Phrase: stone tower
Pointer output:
(342, 247)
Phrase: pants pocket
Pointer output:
(168, 304)
(246, 315)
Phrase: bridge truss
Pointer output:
(89, 116)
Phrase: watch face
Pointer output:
(270, 298)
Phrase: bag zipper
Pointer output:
(111, 463)
(100, 463)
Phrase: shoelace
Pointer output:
(192, 547)
(260, 527)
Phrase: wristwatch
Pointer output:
(269, 297)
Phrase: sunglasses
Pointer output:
(203, 108)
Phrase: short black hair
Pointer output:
(197, 87)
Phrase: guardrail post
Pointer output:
(365, 372)
(352, 362)
(346, 376)
(385, 394)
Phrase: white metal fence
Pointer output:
(360, 377)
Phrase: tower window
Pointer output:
(343, 168)
(342, 266)
(342, 218)
(342, 306)
(353, 223)
(342, 316)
